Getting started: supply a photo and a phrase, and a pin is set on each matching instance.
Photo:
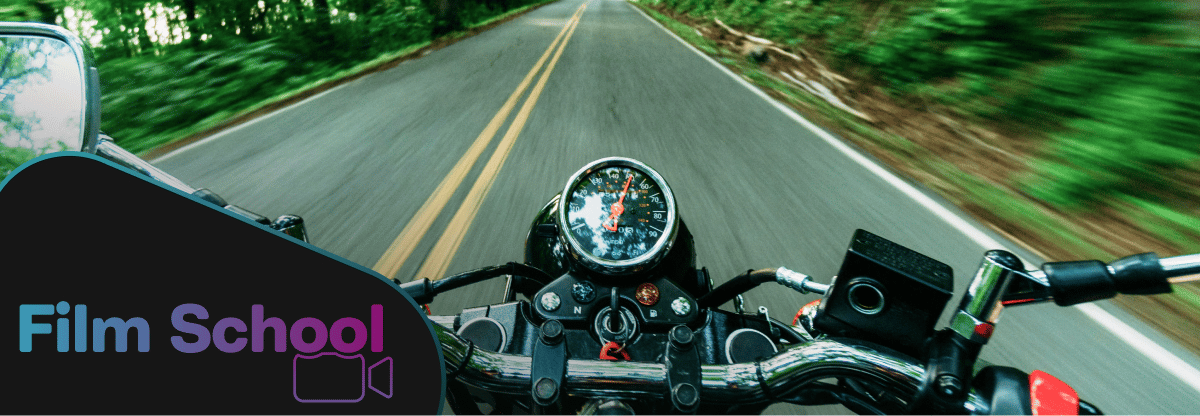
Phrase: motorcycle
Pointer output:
(617, 318)
(621, 320)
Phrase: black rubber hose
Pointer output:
(1086, 408)
(479, 275)
(423, 290)
(736, 286)
(786, 332)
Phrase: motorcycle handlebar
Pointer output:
(108, 149)
(1074, 282)
(1180, 266)
(776, 379)
(291, 225)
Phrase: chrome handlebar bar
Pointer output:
(1180, 266)
(775, 379)
(107, 149)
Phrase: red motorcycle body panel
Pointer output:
(1051, 396)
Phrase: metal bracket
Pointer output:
(549, 367)
(683, 370)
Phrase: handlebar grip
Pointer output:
(210, 197)
(1140, 274)
(248, 214)
(1073, 282)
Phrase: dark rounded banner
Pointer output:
(124, 296)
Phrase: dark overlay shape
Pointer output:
(86, 237)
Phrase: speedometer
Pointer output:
(617, 216)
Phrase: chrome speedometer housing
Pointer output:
(617, 241)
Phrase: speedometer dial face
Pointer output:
(619, 215)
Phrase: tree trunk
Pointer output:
(445, 16)
(298, 6)
(189, 11)
(129, 34)
(326, 44)
(143, 35)
(359, 7)
(322, 9)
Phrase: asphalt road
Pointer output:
(756, 188)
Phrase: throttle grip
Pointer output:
(1074, 282)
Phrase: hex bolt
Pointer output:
(948, 385)
(686, 396)
(681, 337)
(545, 389)
(552, 332)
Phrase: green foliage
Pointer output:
(960, 38)
(1130, 108)
(45, 11)
(395, 25)
(13, 157)
(697, 7)
(742, 13)
(223, 56)
(18, 12)
(1165, 221)
(1120, 108)
(1102, 77)
(790, 22)
(1136, 129)
(146, 99)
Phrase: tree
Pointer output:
(43, 11)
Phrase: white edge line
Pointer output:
(1135, 339)
(1169, 362)
(176, 152)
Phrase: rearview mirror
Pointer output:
(49, 94)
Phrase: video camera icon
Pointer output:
(330, 377)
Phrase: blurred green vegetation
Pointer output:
(13, 157)
(167, 66)
(1107, 87)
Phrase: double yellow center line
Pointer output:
(438, 261)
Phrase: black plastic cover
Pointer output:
(1006, 390)
(749, 346)
(485, 333)
(916, 266)
(912, 292)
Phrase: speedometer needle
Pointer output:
(619, 207)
